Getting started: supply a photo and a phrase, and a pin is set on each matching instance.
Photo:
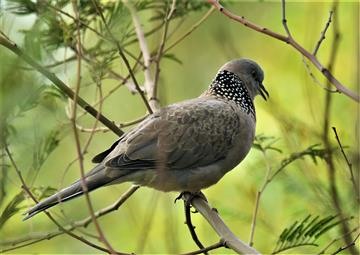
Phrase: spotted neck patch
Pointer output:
(228, 85)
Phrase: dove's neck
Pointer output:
(229, 86)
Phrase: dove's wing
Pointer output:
(194, 133)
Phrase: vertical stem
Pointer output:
(76, 135)
(329, 158)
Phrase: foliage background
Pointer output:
(149, 222)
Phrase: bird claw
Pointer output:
(191, 195)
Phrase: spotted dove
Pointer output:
(186, 146)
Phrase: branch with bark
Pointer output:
(228, 238)
(288, 38)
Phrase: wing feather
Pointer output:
(193, 133)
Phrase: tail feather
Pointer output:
(95, 178)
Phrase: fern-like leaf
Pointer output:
(265, 143)
(305, 232)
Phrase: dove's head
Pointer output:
(247, 73)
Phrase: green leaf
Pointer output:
(22, 7)
(265, 143)
(11, 208)
(304, 232)
(44, 148)
(31, 100)
(172, 57)
(43, 192)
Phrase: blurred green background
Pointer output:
(149, 222)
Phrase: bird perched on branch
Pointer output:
(186, 146)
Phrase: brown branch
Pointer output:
(331, 170)
(218, 245)
(352, 178)
(153, 95)
(267, 180)
(7, 43)
(322, 36)
(84, 187)
(61, 228)
(289, 40)
(192, 29)
(81, 223)
(352, 244)
(315, 80)
(122, 55)
(56, 9)
(337, 239)
(284, 20)
(218, 225)
(191, 227)
(113, 90)
(106, 129)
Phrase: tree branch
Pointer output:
(331, 169)
(61, 228)
(149, 81)
(192, 29)
(289, 40)
(84, 187)
(81, 223)
(190, 226)
(4, 41)
(153, 95)
(218, 225)
(221, 243)
(322, 36)
(122, 55)
(352, 244)
(352, 178)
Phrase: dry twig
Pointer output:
(61, 228)
(352, 177)
(219, 226)
(84, 187)
(191, 227)
(122, 55)
(291, 41)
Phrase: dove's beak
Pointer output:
(263, 91)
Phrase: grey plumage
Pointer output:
(185, 146)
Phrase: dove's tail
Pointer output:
(93, 180)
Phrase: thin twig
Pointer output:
(284, 20)
(153, 96)
(84, 187)
(335, 240)
(352, 178)
(149, 81)
(254, 218)
(191, 227)
(192, 29)
(60, 84)
(147, 222)
(106, 129)
(331, 169)
(113, 90)
(352, 244)
(294, 246)
(313, 77)
(218, 225)
(61, 228)
(267, 180)
(322, 36)
(122, 55)
(289, 40)
(81, 223)
(87, 26)
(218, 245)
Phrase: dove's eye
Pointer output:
(253, 73)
